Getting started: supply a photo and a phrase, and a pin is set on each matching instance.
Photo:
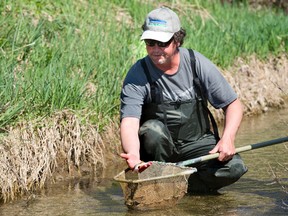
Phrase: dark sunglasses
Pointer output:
(152, 43)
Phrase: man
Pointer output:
(164, 114)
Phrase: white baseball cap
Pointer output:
(161, 24)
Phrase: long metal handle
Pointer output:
(238, 150)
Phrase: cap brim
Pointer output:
(159, 36)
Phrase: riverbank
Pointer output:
(260, 85)
(59, 147)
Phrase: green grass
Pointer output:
(232, 32)
(57, 55)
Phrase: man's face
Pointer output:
(159, 52)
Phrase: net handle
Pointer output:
(238, 150)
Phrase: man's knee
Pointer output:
(233, 170)
(156, 142)
(152, 131)
(215, 176)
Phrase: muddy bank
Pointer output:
(47, 150)
(57, 148)
(261, 86)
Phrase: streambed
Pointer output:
(261, 191)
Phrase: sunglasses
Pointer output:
(152, 43)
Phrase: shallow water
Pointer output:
(261, 191)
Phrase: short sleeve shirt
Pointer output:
(177, 87)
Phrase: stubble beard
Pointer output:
(160, 61)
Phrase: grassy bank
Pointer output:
(62, 64)
(66, 54)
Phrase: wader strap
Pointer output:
(197, 83)
(152, 89)
(146, 71)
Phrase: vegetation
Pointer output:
(29, 157)
(59, 55)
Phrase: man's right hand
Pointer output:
(131, 159)
(135, 163)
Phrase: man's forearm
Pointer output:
(233, 118)
(129, 136)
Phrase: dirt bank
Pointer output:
(261, 86)
(51, 149)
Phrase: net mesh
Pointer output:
(161, 185)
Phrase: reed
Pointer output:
(230, 32)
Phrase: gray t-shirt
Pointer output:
(176, 87)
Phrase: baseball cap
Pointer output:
(161, 24)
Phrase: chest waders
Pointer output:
(185, 120)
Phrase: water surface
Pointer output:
(263, 190)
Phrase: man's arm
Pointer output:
(129, 128)
(233, 118)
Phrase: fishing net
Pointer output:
(161, 185)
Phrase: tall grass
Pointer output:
(229, 32)
(64, 54)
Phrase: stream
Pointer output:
(263, 190)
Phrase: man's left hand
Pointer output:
(226, 149)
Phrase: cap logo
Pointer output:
(157, 22)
